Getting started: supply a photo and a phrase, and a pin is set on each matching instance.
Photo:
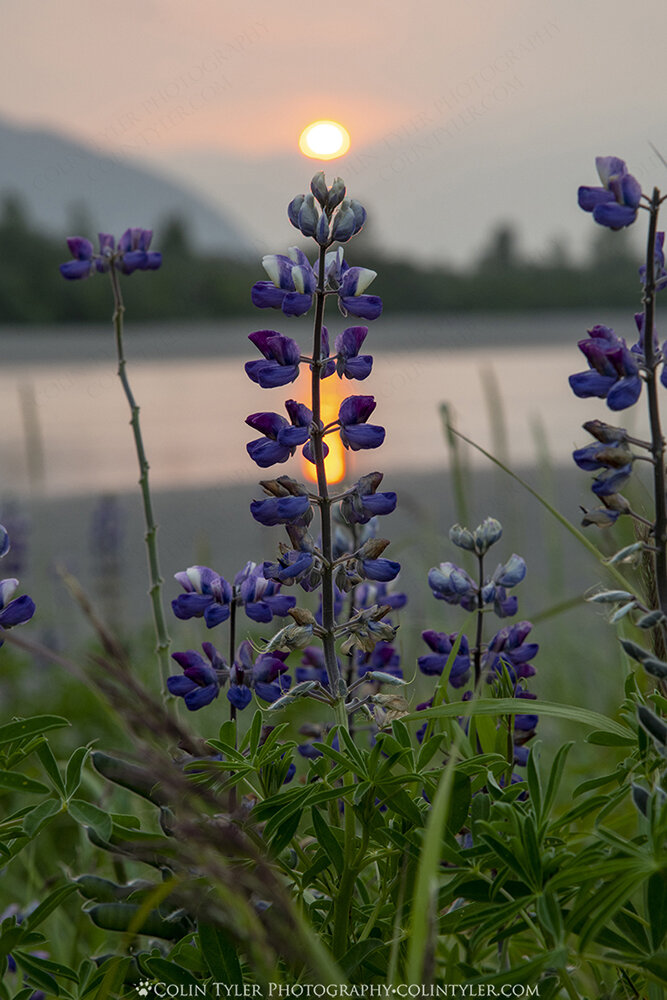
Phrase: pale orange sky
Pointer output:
(495, 105)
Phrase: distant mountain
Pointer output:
(64, 184)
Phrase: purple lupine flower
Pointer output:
(132, 254)
(281, 364)
(362, 502)
(133, 251)
(435, 662)
(349, 362)
(312, 666)
(292, 566)
(351, 283)
(281, 438)
(354, 431)
(509, 647)
(613, 370)
(207, 595)
(660, 273)
(452, 584)
(201, 680)
(261, 597)
(292, 283)
(384, 658)
(614, 204)
(281, 510)
(19, 610)
(265, 675)
(368, 594)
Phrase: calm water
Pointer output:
(65, 420)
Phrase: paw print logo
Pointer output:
(144, 988)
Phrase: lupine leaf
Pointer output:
(87, 814)
(73, 771)
(220, 954)
(19, 782)
(36, 725)
(40, 815)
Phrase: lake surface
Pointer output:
(65, 419)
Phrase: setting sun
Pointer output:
(324, 140)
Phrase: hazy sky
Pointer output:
(461, 114)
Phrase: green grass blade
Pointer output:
(518, 706)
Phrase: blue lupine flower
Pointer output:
(201, 679)
(384, 657)
(207, 595)
(615, 203)
(368, 594)
(348, 360)
(441, 645)
(260, 596)
(292, 566)
(265, 675)
(508, 647)
(132, 254)
(381, 570)
(614, 370)
(452, 584)
(312, 666)
(660, 274)
(351, 283)
(281, 510)
(354, 431)
(281, 438)
(282, 356)
(293, 283)
(19, 610)
(611, 481)
(363, 502)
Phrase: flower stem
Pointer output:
(477, 652)
(657, 439)
(163, 641)
(328, 619)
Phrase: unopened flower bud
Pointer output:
(302, 616)
(373, 548)
(487, 534)
(617, 502)
(318, 186)
(359, 215)
(336, 193)
(308, 216)
(462, 537)
(343, 224)
(294, 208)
(606, 433)
(600, 517)
(322, 230)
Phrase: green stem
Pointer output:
(657, 439)
(163, 641)
(477, 652)
(328, 619)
